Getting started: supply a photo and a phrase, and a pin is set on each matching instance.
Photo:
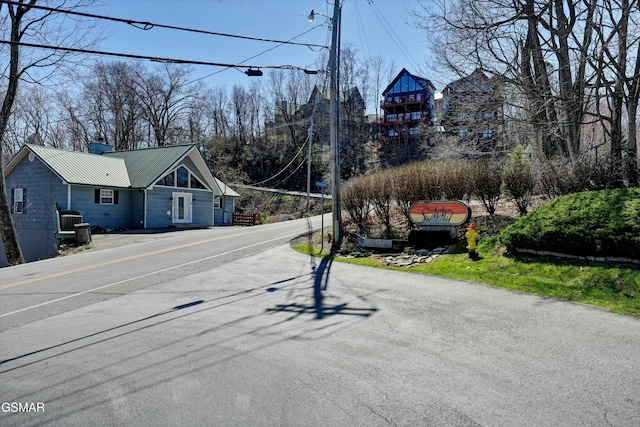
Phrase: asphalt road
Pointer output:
(230, 327)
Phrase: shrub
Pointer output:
(355, 202)
(559, 176)
(407, 186)
(456, 179)
(517, 179)
(487, 183)
(380, 192)
(594, 223)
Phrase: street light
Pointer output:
(334, 121)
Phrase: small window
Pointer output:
(167, 181)
(106, 197)
(195, 183)
(19, 200)
(103, 196)
(216, 203)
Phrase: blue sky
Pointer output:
(274, 19)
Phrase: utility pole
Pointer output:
(310, 137)
(334, 124)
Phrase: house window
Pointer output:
(183, 177)
(167, 181)
(195, 183)
(216, 203)
(19, 200)
(106, 197)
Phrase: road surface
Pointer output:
(231, 327)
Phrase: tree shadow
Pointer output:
(320, 276)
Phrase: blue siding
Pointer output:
(203, 208)
(107, 216)
(224, 215)
(137, 209)
(35, 227)
(159, 203)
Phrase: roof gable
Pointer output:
(476, 81)
(321, 93)
(147, 165)
(419, 83)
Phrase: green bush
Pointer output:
(518, 180)
(594, 223)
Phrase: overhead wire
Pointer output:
(145, 25)
(392, 34)
(361, 31)
(254, 56)
(307, 139)
(153, 58)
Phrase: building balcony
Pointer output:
(403, 102)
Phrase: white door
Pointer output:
(181, 208)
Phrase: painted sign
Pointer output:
(448, 212)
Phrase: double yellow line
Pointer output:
(115, 261)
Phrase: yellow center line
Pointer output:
(115, 261)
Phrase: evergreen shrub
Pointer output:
(592, 223)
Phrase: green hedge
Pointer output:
(594, 223)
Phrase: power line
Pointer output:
(156, 59)
(252, 57)
(392, 34)
(145, 25)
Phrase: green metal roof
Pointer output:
(123, 169)
(80, 168)
(147, 165)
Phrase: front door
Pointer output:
(181, 208)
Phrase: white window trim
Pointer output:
(104, 195)
(18, 200)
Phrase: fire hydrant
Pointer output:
(472, 239)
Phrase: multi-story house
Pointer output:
(473, 111)
(407, 106)
(354, 128)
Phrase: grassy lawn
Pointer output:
(613, 288)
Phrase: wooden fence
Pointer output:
(246, 218)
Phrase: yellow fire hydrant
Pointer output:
(472, 239)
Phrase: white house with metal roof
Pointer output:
(148, 188)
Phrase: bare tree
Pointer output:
(111, 104)
(25, 23)
(165, 98)
(354, 80)
(619, 75)
(558, 54)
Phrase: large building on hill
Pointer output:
(472, 111)
(407, 106)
